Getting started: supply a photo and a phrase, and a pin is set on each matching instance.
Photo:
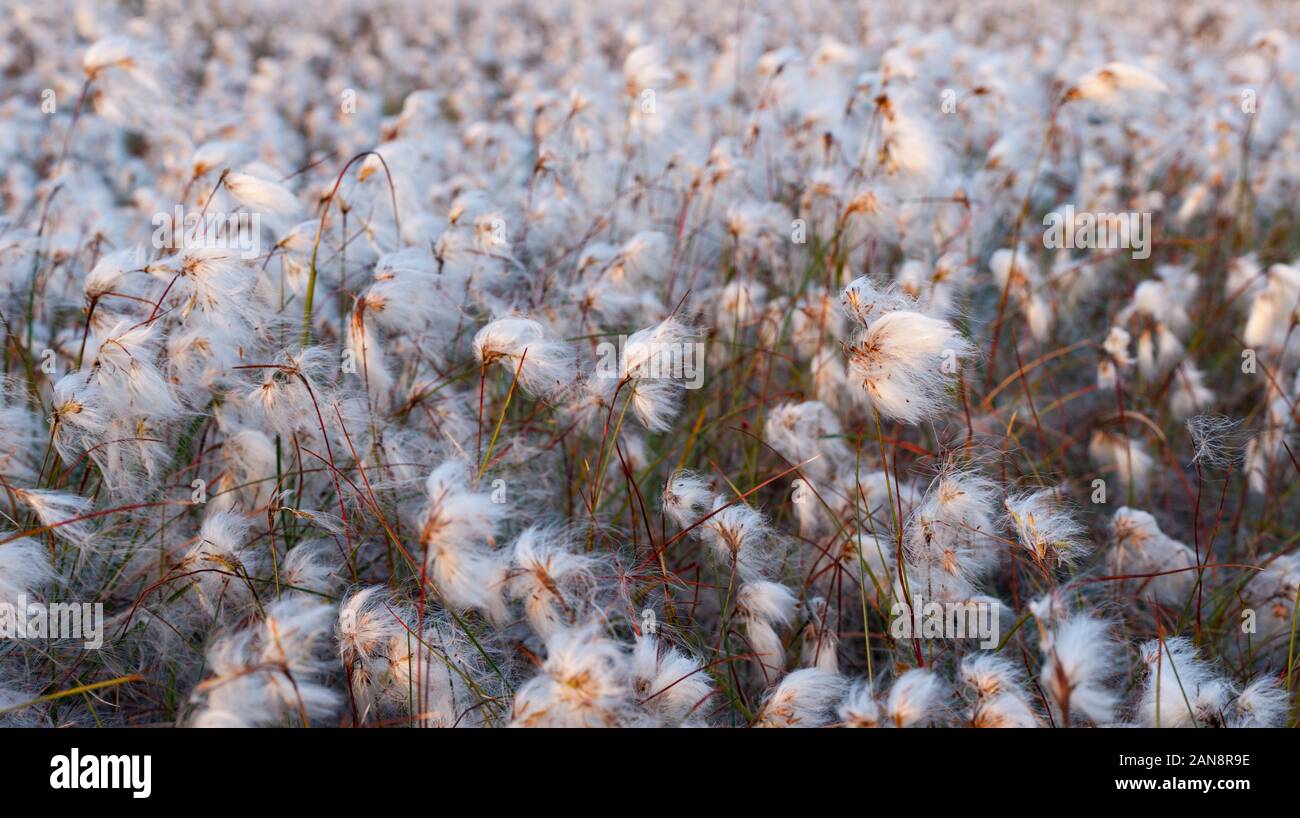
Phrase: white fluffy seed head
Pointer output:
(544, 365)
(25, 568)
(260, 194)
(549, 577)
(1106, 83)
(905, 362)
(1159, 566)
(1181, 689)
(686, 498)
(1079, 658)
(1045, 527)
(805, 698)
(860, 708)
(951, 536)
(666, 681)
(582, 683)
(915, 699)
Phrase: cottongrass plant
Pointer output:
(534, 368)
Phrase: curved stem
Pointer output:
(320, 229)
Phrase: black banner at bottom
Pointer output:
(147, 768)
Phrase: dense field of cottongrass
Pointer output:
(496, 363)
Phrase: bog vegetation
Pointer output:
(564, 364)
